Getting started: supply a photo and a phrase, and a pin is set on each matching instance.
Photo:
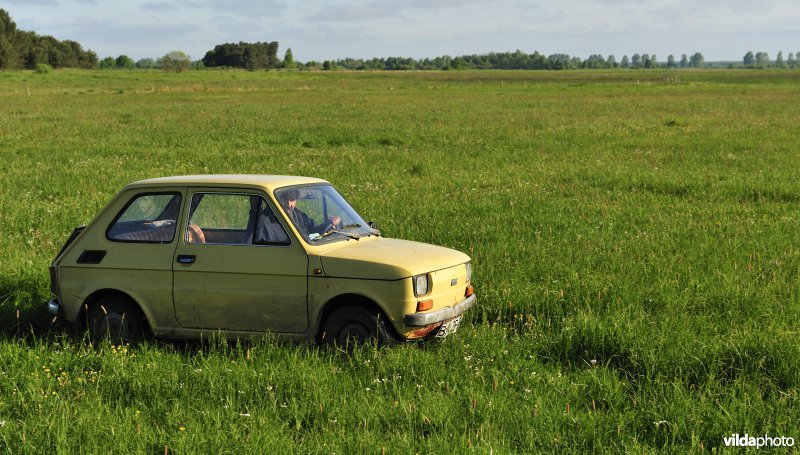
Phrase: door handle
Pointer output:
(186, 258)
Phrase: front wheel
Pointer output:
(351, 325)
(116, 320)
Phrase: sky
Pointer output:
(722, 30)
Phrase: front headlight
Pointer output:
(469, 271)
(420, 284)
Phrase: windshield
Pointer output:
(321, 214)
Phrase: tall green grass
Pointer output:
(633, 241)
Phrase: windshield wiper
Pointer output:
(336, 231)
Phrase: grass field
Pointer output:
(633, 236)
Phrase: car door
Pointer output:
(236, 268)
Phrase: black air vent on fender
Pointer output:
(91, 257)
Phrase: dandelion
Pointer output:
(182, 428)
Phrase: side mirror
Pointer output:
(374, 226)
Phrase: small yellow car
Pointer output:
(242, 255)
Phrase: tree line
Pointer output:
(761, 60)
(512, 60)
(21, 49)
(24, 49)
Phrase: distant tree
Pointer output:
(636, 61)
(611, 61)
(175, 61)
(559, 62)
(697, 60)
(108, 63)
(124, 62)
(790, 60)
(288, 58)
(459, 63)
(779, 60)
(595, 61)
(671, 61)
(272, 55)
(625, 63)
(749, 59)
(762, 59)
(198, 65)
(252, 56)
(328, 65)
(9, 54)
(253, 59)
(684, 61)
(20, 48)
(146, 63)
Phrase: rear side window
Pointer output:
(147, 218)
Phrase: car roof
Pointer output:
(269, 182)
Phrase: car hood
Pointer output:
(387, 259)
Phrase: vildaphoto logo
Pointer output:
(757, 441)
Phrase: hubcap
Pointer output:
(354, 333)
(115, 326)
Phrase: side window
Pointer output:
(233, 219)
(148, 218)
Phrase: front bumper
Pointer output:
(53, 306)
(425, 319)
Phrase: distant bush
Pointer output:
(43, 68)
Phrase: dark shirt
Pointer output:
(305, 224)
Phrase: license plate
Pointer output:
(449, 326)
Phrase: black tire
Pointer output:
(352, 325)
(117, 320)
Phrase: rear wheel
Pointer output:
(116, 320)
(351, 325)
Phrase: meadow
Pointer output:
(632, 235)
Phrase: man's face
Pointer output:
(291, 204)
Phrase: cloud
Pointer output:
(365, 11)
(114, 37)
(352, 13)
(248, 8)
(160, 7)
(33, 2)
